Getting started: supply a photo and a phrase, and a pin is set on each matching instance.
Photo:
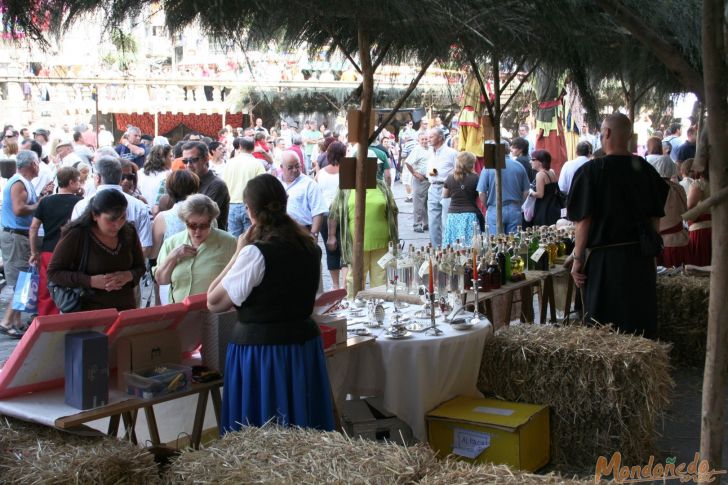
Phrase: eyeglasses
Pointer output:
(128, 176)
(190, 160)
(9, 136)
(202, 227)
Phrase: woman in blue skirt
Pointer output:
(275, 368)
(461, 188)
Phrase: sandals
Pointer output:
(12, 332)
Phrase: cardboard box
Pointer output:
(339, 323)
(367, 418)
(216, 332)
(146, 350)
(490, 430)
(87, 369)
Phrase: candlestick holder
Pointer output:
(433, 330)
(476, 315)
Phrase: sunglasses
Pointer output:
(202, 227)
(128, 176)
(190, 160)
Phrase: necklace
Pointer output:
(111, 251)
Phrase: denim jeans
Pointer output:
(511, 218)
(238, 220)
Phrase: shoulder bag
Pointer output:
(68, 300)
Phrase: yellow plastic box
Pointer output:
(490, 430)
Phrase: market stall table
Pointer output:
(49, 408)
(415, 374)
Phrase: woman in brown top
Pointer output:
(114, 262)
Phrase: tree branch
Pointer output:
(688, 76)
(520, 83)
(519, 66)
(338, 44)
(380, 56)
(483, 91)
(402, 99)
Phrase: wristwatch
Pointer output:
(577, 258)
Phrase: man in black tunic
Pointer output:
(610, 197)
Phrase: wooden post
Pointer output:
(156, 122)
(715, 71)
(497, 136)
(98, 120)
(360, 198)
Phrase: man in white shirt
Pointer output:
(65, 152)
(583, 152)
(108, 177)
(106, 138)
(306, 203)
(442, 163)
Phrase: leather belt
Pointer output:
(20, 232)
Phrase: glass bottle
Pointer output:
(494, 273)
(503, 263)
(441, 276)
(483, 277)
(522, 251)
(468, 273)
(553, 250)
(543, 261)
(562, 244)
(391, 267)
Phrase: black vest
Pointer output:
(278, 310)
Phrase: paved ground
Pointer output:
(680, 428)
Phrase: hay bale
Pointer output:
(682, 316)
(272, 454)
(455, 472)
(606, 390)
(31, 453)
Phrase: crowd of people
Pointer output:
(240, 216)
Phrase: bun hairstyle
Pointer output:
(266, 199)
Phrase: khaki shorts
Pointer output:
(16, 252)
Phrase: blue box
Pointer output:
(87, 370)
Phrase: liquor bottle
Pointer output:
(533, 246)
(494, 273)
(406, 270)
(441, 275)
(502, 258)
(516, 266)
(467, 273)
(483, 277)
(457, 279)
(543, 263)
(523, 252)
(553, 250)
(391, 267)
(417, 261)
(562, 243)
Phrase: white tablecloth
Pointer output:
(414, 375)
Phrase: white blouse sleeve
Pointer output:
(246, 273)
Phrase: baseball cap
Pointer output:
(43, 132)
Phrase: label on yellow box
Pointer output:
(468, 443)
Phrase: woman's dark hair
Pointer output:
(335, 153)
(182, 183)
(654, 146)
(134, 170)
(213, 146)
(107, 201)
(157, 159)
(542, 156)
(266, 198)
